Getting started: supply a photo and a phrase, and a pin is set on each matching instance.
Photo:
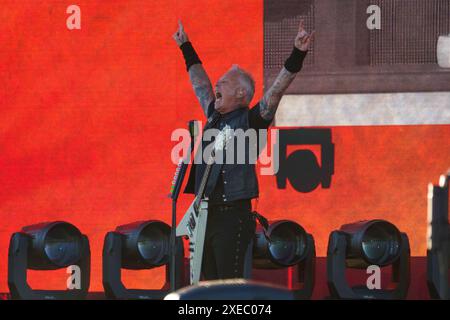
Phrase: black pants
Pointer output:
(230, 228)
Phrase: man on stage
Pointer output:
(230, 188)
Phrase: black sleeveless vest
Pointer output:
(239, 180)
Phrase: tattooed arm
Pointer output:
(199, 79)
(269, 103)
(271, 99)
(201, 85)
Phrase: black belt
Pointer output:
(235, 203)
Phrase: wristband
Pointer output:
(189, 54)
(294, 63)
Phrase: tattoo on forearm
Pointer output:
(269, 103)
(202, 85)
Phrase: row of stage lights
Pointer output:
(146, 245)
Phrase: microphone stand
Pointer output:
(177, 182)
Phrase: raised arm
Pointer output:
(271, 99)
(199, 79)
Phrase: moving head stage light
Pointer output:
(284, 244)
(47, 246)
(361, 244)
(438, 239)
(137, 246)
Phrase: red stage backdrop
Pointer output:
(87, 115)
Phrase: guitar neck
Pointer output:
(202, 188)
(219, 144)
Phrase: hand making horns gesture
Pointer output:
(303, 38)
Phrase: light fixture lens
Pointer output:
(287, 243)
(62, 245)
(381, 243)
(153, 244)
(146, 244)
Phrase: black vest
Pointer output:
(239, 180)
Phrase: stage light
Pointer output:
(375, 242)
(47, 246)
(146, 244)
(232, 289)
(362, 244)
(138, 246)
(438, 239)
(285, 244)
(53, 245)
